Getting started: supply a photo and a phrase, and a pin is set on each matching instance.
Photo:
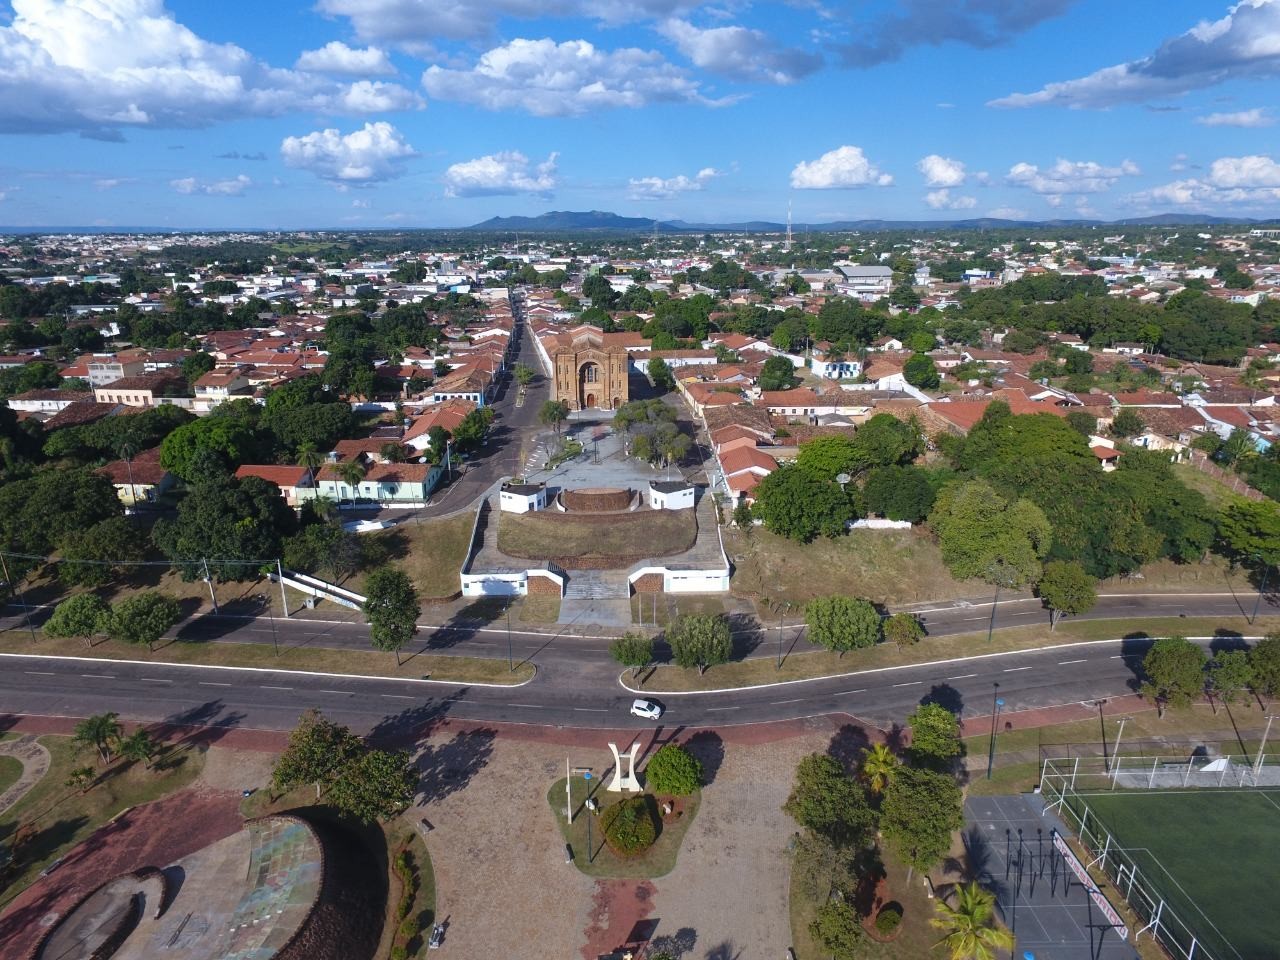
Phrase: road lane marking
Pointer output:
(909, 683)
(963, 676)
(213, 683)
(1016, 669)
(340, 692)
(1063, 663)
(154, 680)
(590, 710)
(267, 686)
(715, 709)
(967, 619)
(528, 706)
(40, 673)
(780, 703)
(398, 696)
(98, 676)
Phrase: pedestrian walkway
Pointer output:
(34, 758)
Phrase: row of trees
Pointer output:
(1176, 672)
(139, 619)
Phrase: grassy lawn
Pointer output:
(761, 669)
(402, 836)
(436, 550)
(538, 608)
(893, 567)
(653, 533)
(668, 606)
(261, 656)
(914, 942)
(10, 771)
(1215, 491)
(657, 861)
(64, 816)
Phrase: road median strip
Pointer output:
(417, 668)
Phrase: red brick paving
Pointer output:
(616, 907)
(154, 834)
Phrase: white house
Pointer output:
(670, 495)
(522, 497)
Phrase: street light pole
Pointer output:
(1266, 572)
(781, 614)
(997, 703)
(1262, 747)
(510, 660)
(1115, 751)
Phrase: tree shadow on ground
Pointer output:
(676, 944)
(708, 747)
(945, 696)
(449, 767)
(406, 728)
(724, 951)
(847, 745)
(202, 725)
(1227, 641)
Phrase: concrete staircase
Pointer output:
(597, 585)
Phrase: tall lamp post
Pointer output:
(1266, 572)
(510, 660)
(1262, 748)
(1001, 578)
(995, 717)
(1115, 751)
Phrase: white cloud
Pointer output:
(500, 174)
(943, 200)
(1068, 176)
(550, 79)
(375, 96)
(841, 168)
(336, 57)
(1243, 44)
(1257, 117)
(1007, 213)
(1231, 180)
(213, 188)
(1179, 162)
(95, 66)
(414, 23)
(373, 153)
(108, 183)
(739, 52)
(930, 23)
(657, 188)
(360, 204)
(941, 171)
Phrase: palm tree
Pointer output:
(101, 731)
(351, 472)
(971, 931)
(392, 452)
(878, 766)
(309, 456)
(323, 507)
(138, 746)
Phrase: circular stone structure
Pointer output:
(597, 499)
(274, 891)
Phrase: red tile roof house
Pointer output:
(290, 479)
(407, 484)
(139, 480)
(744, 467)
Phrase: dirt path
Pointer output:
(35, 764)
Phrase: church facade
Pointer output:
(590, 373)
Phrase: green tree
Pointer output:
(632, 650)
(838, 928)
(969, 927)
(1264, 662)
(196, 366)
(920, 811)
(899, 493)
(842, 623)
(230, 440)
(1127, 423)
(982, 534)
(81, 778)
(935, 735)
(143, 618)
(904, 629)
(375, 785)
(661, 374)
(351, 472)
(524, 374)
(1173, 672)
(700, 640)
(884, 440)
(84, 615)
(825, 458)
(921, 372)
(101, 732)
(139, 747)
(391, 607)
(1083, 422)
(317, 752)
(673, 770)
(778, 373)
(879, 767)
(1251, 530)
(553, 414)
(829, 802)
(1065, 588)
(99, 554)
(1230, 674)
(796, 505)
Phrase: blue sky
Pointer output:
(380, 113)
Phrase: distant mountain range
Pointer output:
(564, 221)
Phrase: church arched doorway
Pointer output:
(589, 383)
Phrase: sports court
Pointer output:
(1211, 854)
(1011, 852)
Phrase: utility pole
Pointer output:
(284, 599)
(1262, 748)
(997, 703)
(213, 597)
(1266, 572)
(26, 610)
(510, 664)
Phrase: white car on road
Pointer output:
(646, 709)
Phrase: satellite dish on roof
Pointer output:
(842, 479)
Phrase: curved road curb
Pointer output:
(35, 761)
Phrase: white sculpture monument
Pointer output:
(624, 781)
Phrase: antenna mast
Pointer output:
(788, 246)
